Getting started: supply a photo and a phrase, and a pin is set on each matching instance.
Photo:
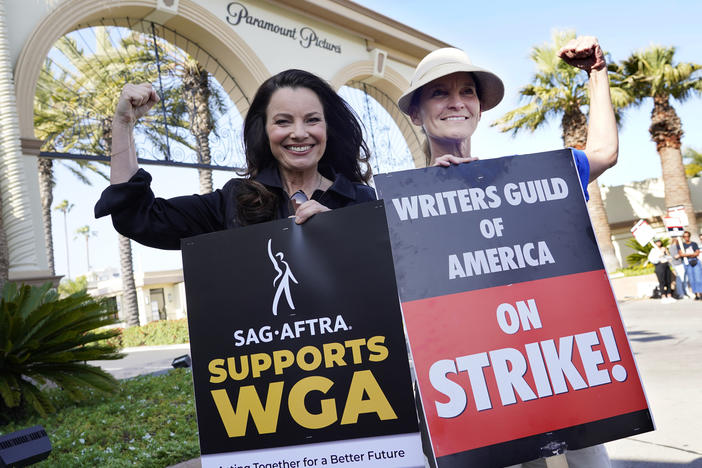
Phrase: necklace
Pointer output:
(300, 196)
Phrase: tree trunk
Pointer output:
(87, 251)
(205, 175)
(600, 224)
(197, 97)
(130, 308)
(666, 131)
(676, 190)
(46, 188)
(4, 251)
(574, 126)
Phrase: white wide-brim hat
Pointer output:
(446, 61)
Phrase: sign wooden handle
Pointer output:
(557, 461)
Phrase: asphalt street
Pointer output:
(667, 342)
(143, 360)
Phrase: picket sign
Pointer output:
(678, 211)
(642, 232)
(516, 338)
(292, 367)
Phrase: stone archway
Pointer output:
(202, 26)
(392, 84)
(28, 256)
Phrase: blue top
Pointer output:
(583, 167)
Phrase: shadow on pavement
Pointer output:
(646, 336)
(654, 464)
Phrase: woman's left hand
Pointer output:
(307, 210)
(449, 159)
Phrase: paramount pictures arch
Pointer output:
(249, 40)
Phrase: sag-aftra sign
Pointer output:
(298, 352)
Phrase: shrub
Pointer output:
(162, 332)
(640, 256)
(46, 340)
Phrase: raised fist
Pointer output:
(583, 52)
(135, 101)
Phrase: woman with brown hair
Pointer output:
(305, 154)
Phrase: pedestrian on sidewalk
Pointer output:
(678, 263)
(660, 258)
(693, 270)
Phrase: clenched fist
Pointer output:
(583, 52)
(135, 101)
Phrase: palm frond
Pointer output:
(44, 338)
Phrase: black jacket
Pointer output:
(157, 222)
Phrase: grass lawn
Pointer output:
(149, 422)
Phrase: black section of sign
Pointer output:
(342, 266)
(576, 437)
(421, 247)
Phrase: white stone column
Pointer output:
(17, 206)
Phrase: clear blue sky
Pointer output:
(497, 36)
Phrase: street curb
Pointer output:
(137, 349)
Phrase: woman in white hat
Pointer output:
(447, 97)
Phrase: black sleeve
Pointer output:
(156, 222)
(364, 193)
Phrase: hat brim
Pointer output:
(490, 86)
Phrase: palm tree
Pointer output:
(693, 166)
(558, 89)
(75, 100)
(51, 124)
(87, 233)
(197, 97)
(652, 73)
(65, 207)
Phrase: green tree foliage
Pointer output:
(68, 286)
(47, 340)
(693, 162)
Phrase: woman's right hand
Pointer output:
(135, 101)
(449, 159)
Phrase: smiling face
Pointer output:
(448, 108)
(296, 129)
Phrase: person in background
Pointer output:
(693, 270)
(678, 263)
(660, 258)
(447, 97)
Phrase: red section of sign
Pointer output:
(442, 329)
